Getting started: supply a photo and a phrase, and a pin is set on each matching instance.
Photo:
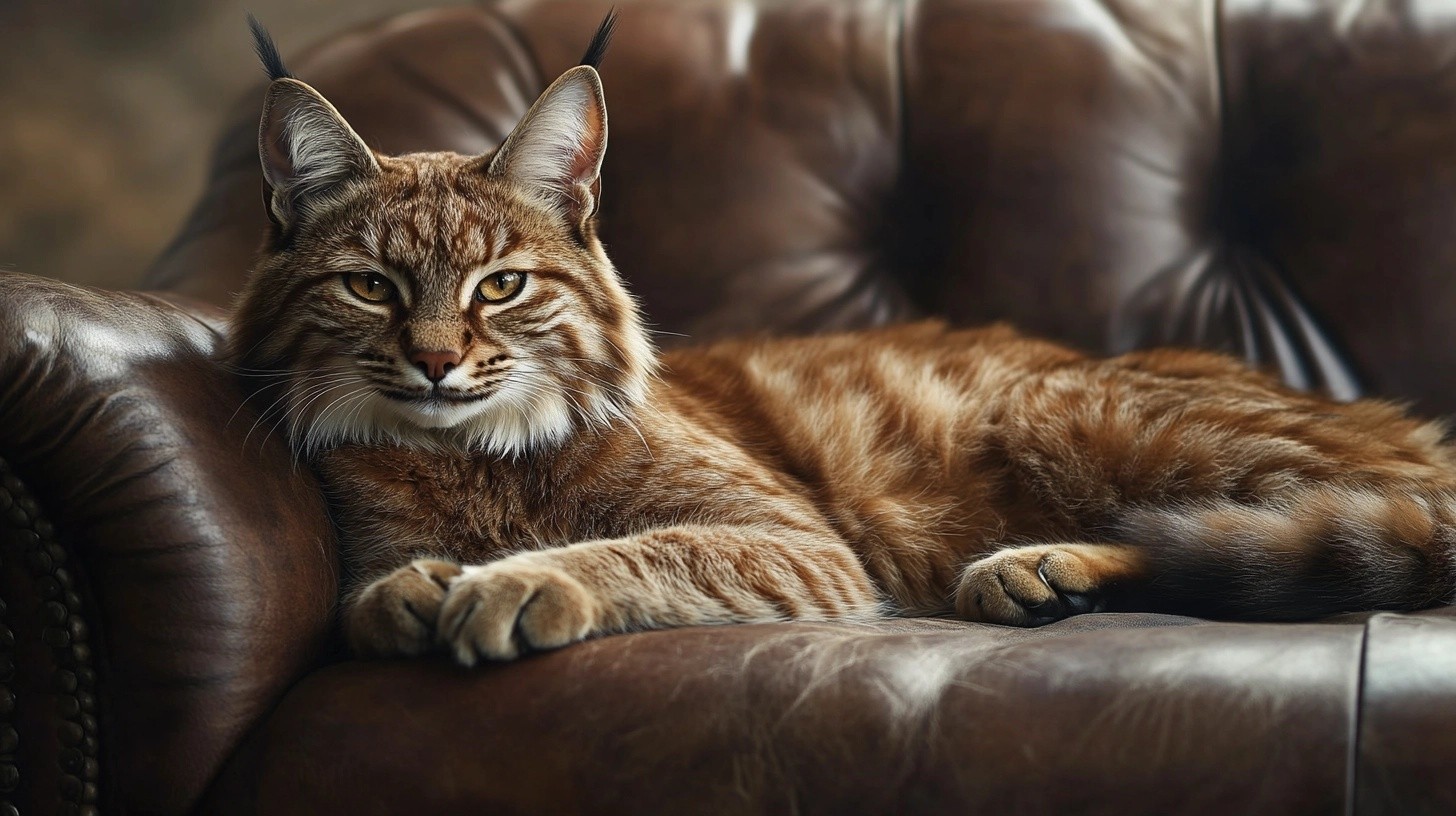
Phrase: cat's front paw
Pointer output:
(1032, 586)
(499, 611)
(396, 614)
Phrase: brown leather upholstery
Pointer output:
(1140, 714)
(201, 554)
(1272, 178)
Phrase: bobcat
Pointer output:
(512, 467)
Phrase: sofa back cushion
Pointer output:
(1270, 179)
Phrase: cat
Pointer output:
(512, 466)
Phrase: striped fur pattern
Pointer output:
(560, 480)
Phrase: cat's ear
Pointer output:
(557, 149)
(307, 149)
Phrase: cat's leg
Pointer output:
(678, 576)
(1035, 585)
(395, 615)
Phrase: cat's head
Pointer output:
(438, 299)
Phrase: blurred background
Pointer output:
(109, 110)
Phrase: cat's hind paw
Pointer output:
(1033, 586)
(395, 615)
(502, 610)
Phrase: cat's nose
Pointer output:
(435, 364)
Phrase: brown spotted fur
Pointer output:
(909, 470)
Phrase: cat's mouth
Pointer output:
(435, 407)
(428, 397)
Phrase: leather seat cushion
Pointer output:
(909, 716)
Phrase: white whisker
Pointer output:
(283, 401)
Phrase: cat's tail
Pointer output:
(1316, 551)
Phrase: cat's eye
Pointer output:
(370, 286)
(500, 286)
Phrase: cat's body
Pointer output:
(459, 359)
(853, 468)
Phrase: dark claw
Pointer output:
(1081, 603)
(1078, 603)
(1067, 603)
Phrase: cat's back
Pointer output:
(921, 401)
(925, 368)
(840, 380)
(872, 416)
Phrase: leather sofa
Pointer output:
(1275, 178)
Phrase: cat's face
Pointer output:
(438, 299)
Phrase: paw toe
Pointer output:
(439, 572)
(985, 595)
(501, 611)
(558, 614)
(1025, 587)
(479, 615)
(395, 615)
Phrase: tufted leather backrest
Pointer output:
(1269, 178)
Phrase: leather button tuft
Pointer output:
(40, 561)
(70, 733)
(52, 613)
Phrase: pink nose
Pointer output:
(435, 364)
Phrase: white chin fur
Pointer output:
(515, 419)
(437, 415)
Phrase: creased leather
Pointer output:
(1231, 301)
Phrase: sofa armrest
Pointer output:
(166, 574)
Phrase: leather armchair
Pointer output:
(1268, 177)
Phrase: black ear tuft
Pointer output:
(600, 40)
(267, 50)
